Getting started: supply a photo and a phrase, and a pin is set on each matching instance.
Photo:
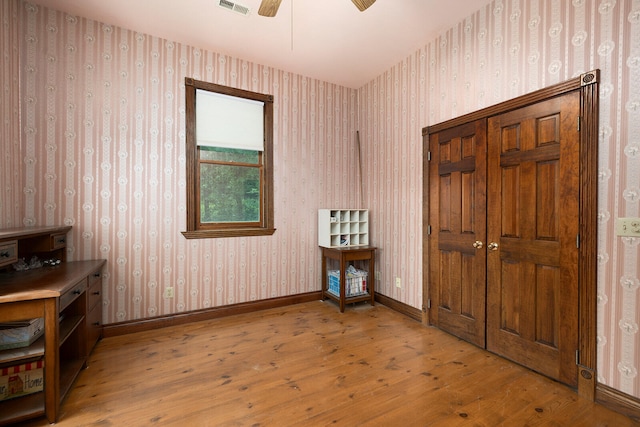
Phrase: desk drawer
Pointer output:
(58, 241)
(94, 327)
(73, 293)
(8, 252)
(94, 293)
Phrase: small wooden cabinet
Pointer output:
(343, 256)
(68, 297)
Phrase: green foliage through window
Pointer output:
(229, 193)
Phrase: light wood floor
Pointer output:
(310, 365)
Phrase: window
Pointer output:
(229, 161)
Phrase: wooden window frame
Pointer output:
(195, 229)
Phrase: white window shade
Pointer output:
(229, 121)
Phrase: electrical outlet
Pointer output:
(628, 227)
(168, 292)
(398, 282)
(377, 275)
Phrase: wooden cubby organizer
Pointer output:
(343, 236)
(67, 296)
(343, 227)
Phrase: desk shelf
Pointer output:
(21, 408)
(15, 356)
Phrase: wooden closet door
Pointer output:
(532, 230)
(457, 256)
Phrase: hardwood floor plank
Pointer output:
(310, 365)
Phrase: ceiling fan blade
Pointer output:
(269, 8)
(362, 5)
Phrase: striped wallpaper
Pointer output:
(103, 151)
(99, 145)
(11, 197)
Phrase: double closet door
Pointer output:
(504, 221)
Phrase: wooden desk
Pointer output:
(345, 254)
(48, 292)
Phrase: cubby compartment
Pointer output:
(343, 227)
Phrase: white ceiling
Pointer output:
(330, 40)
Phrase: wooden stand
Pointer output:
(344, 255)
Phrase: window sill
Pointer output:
(239, 232)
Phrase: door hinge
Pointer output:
(429, 303)
(577, 357)
(428, 156)
(428, 230)
(579, 120)
(578, 241)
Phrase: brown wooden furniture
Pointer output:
(344, 255)
(67, 296)
(45, 242)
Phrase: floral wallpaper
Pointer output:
(93, 137)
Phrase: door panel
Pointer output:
(532, 214)
(457, 214)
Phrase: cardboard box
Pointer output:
(20, 334)
(20, 380)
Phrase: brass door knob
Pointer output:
(477, 244)
(492, 246)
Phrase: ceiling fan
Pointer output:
(269, 8)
